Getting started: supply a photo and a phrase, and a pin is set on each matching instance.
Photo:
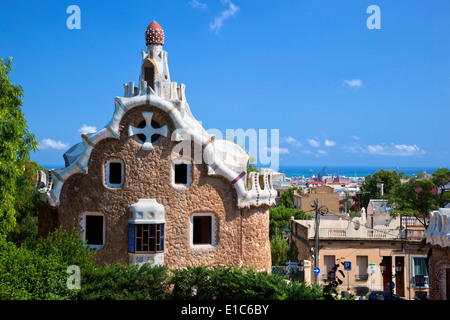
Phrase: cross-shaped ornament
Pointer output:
(147, 131)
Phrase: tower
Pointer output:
(155, 69)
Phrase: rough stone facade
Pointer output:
(439, 273)
(241, 221)
(438, 240)
(242, 235)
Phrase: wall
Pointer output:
(327, 199)
(148, 176)
(437, 267)
(349, 244)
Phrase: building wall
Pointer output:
(439, 273)
(349, 248)
(148, 176)
(331, 200)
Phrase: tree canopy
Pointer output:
(287, 197)
(280, 218)
(371, 189)
(15, 145)
(418, 196)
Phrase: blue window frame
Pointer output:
(146, 238)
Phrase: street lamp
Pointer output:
(286, 268)
(301, 265)
(387, 273)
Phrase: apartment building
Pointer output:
(370, 242)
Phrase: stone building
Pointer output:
(154, 187)
(325, 194)
(366, 241)
(438, 239)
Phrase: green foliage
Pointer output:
(292, 253)
(230, 283)
(39, 271)
(418, 195)
(370, 190)
(68, 246)
(26, 205)
(124, 282)
(278, 249)
(287, 197)
(280, 218)
(15, 145)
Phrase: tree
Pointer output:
(440, 178)
(280, 218)
(278, 249)
(370, 189)
(15, 145)
(418, 196)
(292, 254)
(26, 205)
(287, 197)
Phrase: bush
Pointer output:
(37, 270)
(227, 283)
(124, 282)
(25, 275)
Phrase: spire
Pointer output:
(154, 34)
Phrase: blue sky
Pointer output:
(339, 92)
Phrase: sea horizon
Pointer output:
(343, 171)
(349, 171)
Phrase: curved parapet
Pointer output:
(438, 231)
(259, 190)
(223, 157)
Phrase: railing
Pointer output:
(337, 233)
(361, 277)
(376, 234)
(293, 274)
(371, 233)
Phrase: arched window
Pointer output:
(148, 72)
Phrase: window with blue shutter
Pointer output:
(146, 238)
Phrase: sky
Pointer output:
(336, 90)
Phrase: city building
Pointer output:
(369, 243)
(154, 187)
(325, 194)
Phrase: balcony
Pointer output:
(362, 277)
(367, 234)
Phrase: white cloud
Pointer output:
(353, 83)
(293, 142)
(314, 143)
(322, 152)
(279, 150)
(330, 143)
(52, 144)
(356, 137)
(197, 4)
(407, 150)
(306, 151)
(87, 129)
(224, 15)
(393, 150)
